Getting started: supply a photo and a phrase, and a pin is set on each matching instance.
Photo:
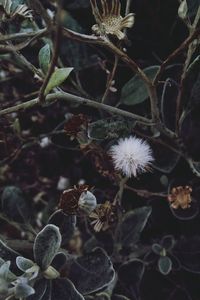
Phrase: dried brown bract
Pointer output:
(109, 20)
(180, 197)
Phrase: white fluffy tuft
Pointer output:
(131, 156)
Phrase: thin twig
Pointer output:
(20, 46)
(22, 35)
(110, 79)
(145, 193)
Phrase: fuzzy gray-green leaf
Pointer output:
(164, 265)
(46, 245)
(24, 263)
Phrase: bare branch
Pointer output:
(79, 100)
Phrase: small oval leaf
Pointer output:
(24, 263)
(57, 78)
(44, 58)
(46, 245)
(164, 265)
(135, 91)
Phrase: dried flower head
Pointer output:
(104, 216)
(77, 200)
(131, 156)
(180, 197)
(109, 20)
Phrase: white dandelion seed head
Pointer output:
(131, 156)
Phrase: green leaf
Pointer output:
(130, 275)
(66, 224)
(128, 232)
(193, 6)
(63, 289)
(135, 91)
(14, 204)
(91, 272)
(57, 78)
(164, 265)
(46, 245)
(156, 248)
(24, 263)
(44, 58)
(23, 290)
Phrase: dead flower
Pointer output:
(180, 197)
(109, 19)
(77, 200)
(103, 216)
